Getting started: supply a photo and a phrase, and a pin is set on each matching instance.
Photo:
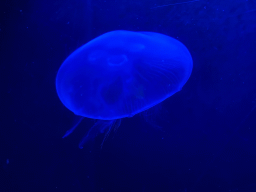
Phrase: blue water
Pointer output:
(196, 135)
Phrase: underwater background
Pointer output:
(201, 139)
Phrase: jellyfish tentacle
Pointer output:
(68, 132)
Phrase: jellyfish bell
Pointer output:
(120, 74)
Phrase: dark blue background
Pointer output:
(202, 139)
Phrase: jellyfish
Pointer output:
(120, 74)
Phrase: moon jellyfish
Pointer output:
(120, 74)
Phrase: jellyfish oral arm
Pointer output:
(100, 126)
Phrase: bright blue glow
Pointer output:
(122, 73)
